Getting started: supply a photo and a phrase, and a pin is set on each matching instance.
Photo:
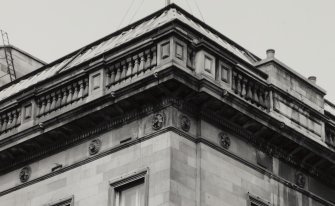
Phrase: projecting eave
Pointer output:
(290, 70)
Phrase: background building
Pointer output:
(166, 111)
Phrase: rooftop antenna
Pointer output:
(8, 56)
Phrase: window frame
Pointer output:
(254, 200)
(69, 201)
(128, 180)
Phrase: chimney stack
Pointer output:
(270, 53)
(312, 79)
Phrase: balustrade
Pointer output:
(9, 120)
(62, 96)
(251, 90)
(131, 67)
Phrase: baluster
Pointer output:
(108, 76)
(5, 122)
(234, 81)
(64, 97)
(261, 97)
(42, 106)
(47, 106)
(14, 114)
(130, 67)
(249, 91)
(255, 94)
(267, 99)
(85, 87)
(18, 117)
(147, 60)
(118, 72)
(1, 125)
(10, 120)
(113, 75)
(75, 91)
(141, 66)
(38, 107)
(69, 94)
(53, 101)
(136, 64)
(58, 99)
(81, 89)
(154, 57)
(123, 71)
(239, 86)
(244, 83)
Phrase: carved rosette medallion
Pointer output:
(224, 140)
(300, 179)
(25, 174)
(185, 123)
(94, 146)
(157, 121)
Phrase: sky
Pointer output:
(301, 31)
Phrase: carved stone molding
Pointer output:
(300, 179)
(158, 121)
(122, 120)
(185, 123)
(224, 140)
(94, 146)
(25, 174)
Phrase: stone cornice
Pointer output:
(203, 84)
(154, 134)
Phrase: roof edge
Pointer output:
(292, 71)
(173, 5)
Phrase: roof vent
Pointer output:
(312, 79)
(270, 53)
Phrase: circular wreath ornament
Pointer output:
(224, 140)
(25, 174)
(300, 179)
(185, 123)
(157, 121)
(94, 146)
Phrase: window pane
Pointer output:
(132, 196)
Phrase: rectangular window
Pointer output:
(257, 201)
(130, 190)
(131, 194)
